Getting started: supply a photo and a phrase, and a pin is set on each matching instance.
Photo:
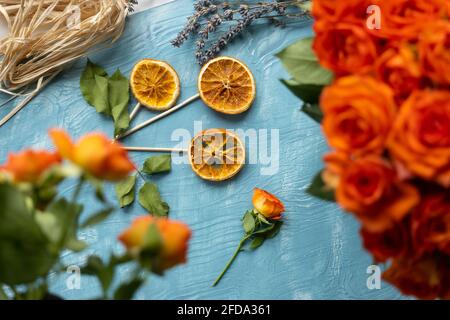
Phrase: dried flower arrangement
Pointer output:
(209, 15)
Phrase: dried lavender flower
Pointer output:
(210, 15)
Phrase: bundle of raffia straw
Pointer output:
(46, 35)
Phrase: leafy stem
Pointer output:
(230, 262)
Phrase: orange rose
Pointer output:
(404, 19)
(29, 165)
(344, 47)
(398, 67)
(174, 236)
(434, 51)
(370, 189)
(391, 243)
(94, 153)
(334, 11)
(431, 223)
(267, 204)
(335, 164)
(420, 138)
(423, 278)
(358, 114)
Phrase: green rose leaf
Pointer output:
(104, 272)
(25, 251)
(313, 111)
(98, 217)
(257, 242)
(150, 198)
(301, 62)
(248, 222)
(60, 224)
(94, 87)
(127, 290)
(158, 164)
(109, 95)
(119, 96)
(320, 190)
(125, 191)
(309, 93)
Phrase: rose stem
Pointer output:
(238, 249)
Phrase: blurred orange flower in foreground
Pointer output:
(174, 235)
(434, 51)
(95, 153)
(29, 165)
(370, 189)
(267, 204)
(420, 139)
(358, 115)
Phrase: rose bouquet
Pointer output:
(376, 75)
(38, 224)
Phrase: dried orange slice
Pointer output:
(155, 84)
(216, 154)
(226, 85)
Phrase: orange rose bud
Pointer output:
(29, 165)
(370, 189)
(420, 137)
(94, 153)
(358, 115)
(267, 204)
(174, 235)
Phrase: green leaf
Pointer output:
(313, 111)
(127, 290)
(150, 199)
(125, 191)
(248, 222)
(94, 87)
(104, 272)
(119, 96)
(301, 62)
(309, 93)
(320, 190)
(25, 252)
(98, 217)
(158, 164)
(60, 223)
(257, 242)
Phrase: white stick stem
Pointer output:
(159, 116)
(144, 149)
(135, 111)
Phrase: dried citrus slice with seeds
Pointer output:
(216, 154)
(155, 84)
(226, 85)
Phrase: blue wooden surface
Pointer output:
(317, 254)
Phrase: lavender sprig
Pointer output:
(131, 4)
(210, 15)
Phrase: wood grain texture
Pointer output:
(317, 254)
